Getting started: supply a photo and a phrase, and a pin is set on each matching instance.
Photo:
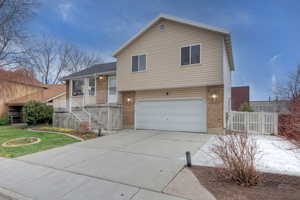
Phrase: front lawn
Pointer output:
(48, 141)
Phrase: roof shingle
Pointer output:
(41, 96)
(95, 69)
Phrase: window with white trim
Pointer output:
(190, 54)
(92, 86)
(139, 63)
(77, 87)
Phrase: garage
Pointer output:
(171, 115)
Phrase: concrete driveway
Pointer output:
(136, 165)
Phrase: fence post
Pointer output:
(247, 118)
(262, 118)
(275, 123)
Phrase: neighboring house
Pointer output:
(239, 96)
(19, 87)
(15, 84)
(52, 95)
(174, 75)
(279, 106)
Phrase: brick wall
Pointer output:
(101, 87)
(128, 101)
(215, 107)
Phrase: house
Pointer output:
(52, 95)
(18, 87)
(174, 74)
(279, 106)
(15, 84)
(239, 96)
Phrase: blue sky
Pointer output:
(265, 34)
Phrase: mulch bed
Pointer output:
(85, 136)
(82, 135)
(273, 186)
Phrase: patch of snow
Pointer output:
(276, 155)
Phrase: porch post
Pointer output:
(70, 95)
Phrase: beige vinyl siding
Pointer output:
(172, 93)
(163, 59)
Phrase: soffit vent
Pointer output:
(161, 27)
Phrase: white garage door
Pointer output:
(173, 115)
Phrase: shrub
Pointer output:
(37, 113)
(245, 107)
(4, 121)
(238, 153)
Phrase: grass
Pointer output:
(48, 141)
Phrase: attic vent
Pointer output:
(161, 27)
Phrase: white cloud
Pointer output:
(107, 57)
(123, 25)
(274, 59)
(65, 9)
(231, 20)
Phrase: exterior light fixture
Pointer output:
(214, 96)
(100, 77)
(128, 99)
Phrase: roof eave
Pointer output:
(88, 75)
(171, 18)
(228, 45)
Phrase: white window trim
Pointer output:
(85, 87)
(117, 95)
(146, 67)
(89, 86)
(72, 88)
(190, 58)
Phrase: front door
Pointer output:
(112, 90)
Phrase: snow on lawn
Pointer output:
(277, 155)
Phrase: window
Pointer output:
(185, 56)
(139, 63)
(92, 86)
(77, 87)
(190, 55)
(112, 85)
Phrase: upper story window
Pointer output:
(139, 63)
(92, 86)
(77, 87)
(190, 55)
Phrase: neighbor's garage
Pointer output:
(171, 115)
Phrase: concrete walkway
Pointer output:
(135, 165)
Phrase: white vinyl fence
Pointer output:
(253, 122)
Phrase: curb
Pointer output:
(13, 195)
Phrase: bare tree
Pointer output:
(51, 59)
(291, 89)
(13, 15)
(79, 59)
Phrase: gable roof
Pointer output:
(186, 22)
(20, 76)
(52, 92)
(98, 69)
